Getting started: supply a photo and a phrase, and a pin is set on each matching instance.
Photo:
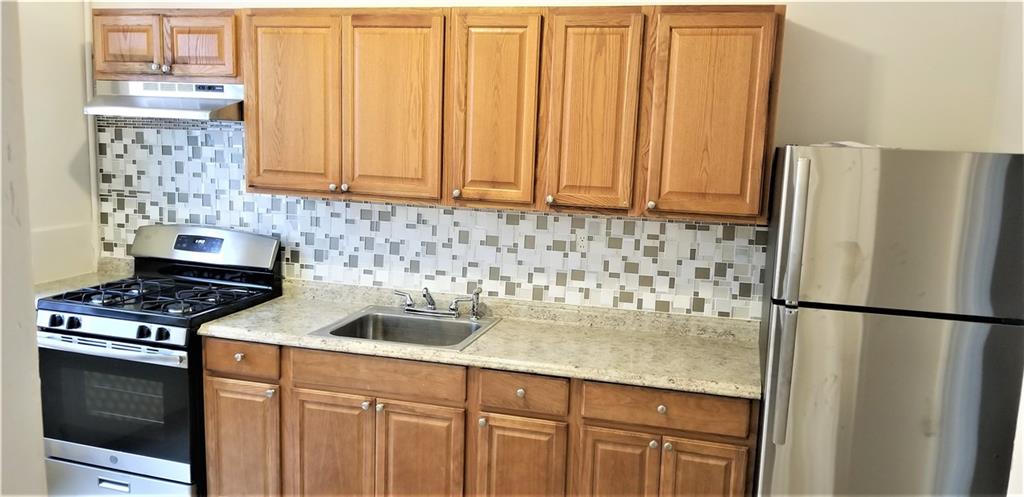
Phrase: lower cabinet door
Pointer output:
(699, 468)
(619, 463)
(242, 437)
(518, 456)
(419, 449)
(328, 443)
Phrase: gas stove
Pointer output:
(121, 364)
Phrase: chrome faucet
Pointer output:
(430, 299)
(409, 304)
(474, 298)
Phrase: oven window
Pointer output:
(121, 405)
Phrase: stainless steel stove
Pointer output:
(121, 363)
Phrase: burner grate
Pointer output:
(161, 295)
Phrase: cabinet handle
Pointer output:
(482, 421)
(154, 66)
(651, 204)
(165, 68)
(668, 447)
(332, 187)
(380, 407)
(239, 356)
(662, 409)
(270, 392)
(520, 393)
(456, 193)
(344, 187)
(653, 444)
(365, 405)
(550, 199)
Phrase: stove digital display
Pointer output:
(193, 243)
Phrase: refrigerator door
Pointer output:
(936, 232)
(885, 404)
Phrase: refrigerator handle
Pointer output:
(791, 231)
(784, 377)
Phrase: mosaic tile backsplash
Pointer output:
(159, 171)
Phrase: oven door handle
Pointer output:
(172, 358)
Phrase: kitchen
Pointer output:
(617, 344)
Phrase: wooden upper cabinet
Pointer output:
(493, 72)
(519, 457)
(242, 437)
(128, 44)
(328, 444)
(709, 115)
(392, 104)
(419, 449)
(618, 462)
(200, 45)
(293, 102)
(699, 468)
(592, 108)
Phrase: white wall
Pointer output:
(60, 193)
(21, 455)
(924, 75)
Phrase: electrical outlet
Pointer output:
(581, 241)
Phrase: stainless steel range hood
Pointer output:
(205, 101)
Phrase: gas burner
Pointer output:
(178, 308)
(103, 298)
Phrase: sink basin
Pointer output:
(394, 325)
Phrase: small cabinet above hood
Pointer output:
(168, 100)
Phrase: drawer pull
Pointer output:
(482, 421)
(653, 444)
(662, 409)
(668, 447)
(365, 405)
(239, 356)
(520, 392)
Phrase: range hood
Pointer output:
(210, 102)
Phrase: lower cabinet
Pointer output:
(242, 437)
(517, 456)
(697, 467)
(419, 449)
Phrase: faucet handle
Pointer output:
(408, 298)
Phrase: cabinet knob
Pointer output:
(662, 409)
(456, 193)
(270, 392)
(651, 204)
(520, 392)
(154, 66)
(239, 356)
(550, 199)
(380, 407)
(668, 447)
(165, 68)
(344, 187)
(365, 405)
(482, 421)
(653, 444)
(332, 187)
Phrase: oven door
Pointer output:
(116, 405)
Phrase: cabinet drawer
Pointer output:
(524, 392)
(666, 409)
(377, 376)
(245, 359)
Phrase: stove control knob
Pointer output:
(74, 323)
(143, 332)
(162, 334)
(56, 320)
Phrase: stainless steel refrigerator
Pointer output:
(894, 322)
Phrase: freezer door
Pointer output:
(883, 404)
(935, 232)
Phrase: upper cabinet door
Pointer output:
(492, 111)
(592, 108)
(126, 44)
(199, 46)
(696, 467)
(709, 114)
(419, 449)
(293, 102)
(392, 104)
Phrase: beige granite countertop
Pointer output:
(685, 353)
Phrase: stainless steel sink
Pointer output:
(388, 324)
